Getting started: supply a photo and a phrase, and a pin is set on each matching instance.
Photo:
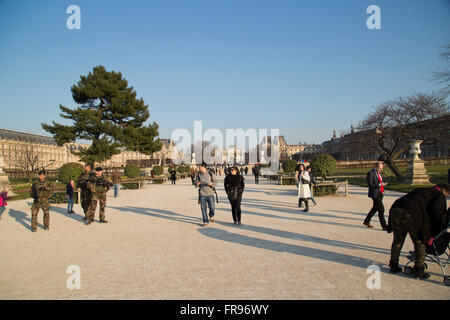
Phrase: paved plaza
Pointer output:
(154, 247)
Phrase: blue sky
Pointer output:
(305, 67)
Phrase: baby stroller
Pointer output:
(439, 247)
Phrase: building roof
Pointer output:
(27, 137)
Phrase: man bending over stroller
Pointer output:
(422, 214)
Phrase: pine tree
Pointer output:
(109, 115)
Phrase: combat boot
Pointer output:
(419, 273)
(103, 221)
(394, 268)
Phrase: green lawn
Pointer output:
(438, 174)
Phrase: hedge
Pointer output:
(132, 171)
(158, 170)
(69, 171)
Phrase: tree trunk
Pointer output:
(390, 163)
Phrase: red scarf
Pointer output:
(381, 181)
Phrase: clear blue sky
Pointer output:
(305, 67)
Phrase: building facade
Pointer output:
(20, 148)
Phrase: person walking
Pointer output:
(86, 194)
(423, 214)
(256, 173)
(246, 171)
(234, 187)
(376, 193)
(41, 191)
(173, 176)
(99, 186)
(69, 196)
(192, 175)
(311, 183)
(3, 198)
(206, 182)
(304, 192)
(241, 171)
(117, 180)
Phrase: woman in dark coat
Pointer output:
(173, 176)
(234, 187)
(422, 214)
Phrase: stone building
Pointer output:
(16, 146)
(355, 146)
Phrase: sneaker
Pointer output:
(88, 222)
(46, 228)
(212, 219)
(33, 230)
(239, 223)
(103, 221)
(205, 224)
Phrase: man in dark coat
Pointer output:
(422, 214)
(376, 192)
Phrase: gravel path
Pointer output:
(154, 247)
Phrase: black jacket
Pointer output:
(69, 190)
(234, 184)
(373, 183)
(428, 207)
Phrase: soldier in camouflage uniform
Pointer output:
(86, 194)
(41, 190)
(99, 186)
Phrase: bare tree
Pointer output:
(442, 75)
(394, 123)
(28, 161)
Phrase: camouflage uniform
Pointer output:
(86, 194)
(402, 224)
(98, 187)
(40, 192)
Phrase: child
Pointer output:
(69, 196)
(3, 198)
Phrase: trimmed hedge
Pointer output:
(323, 165)
(158, 170)
(289, 166)
(69, 171)
(320, 191)
(131, 185)
(132, 171)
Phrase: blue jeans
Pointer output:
(204, 202)
(70, 204)
(116, 189)
(2, 209)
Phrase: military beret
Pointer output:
(41, 172)
(99, 169)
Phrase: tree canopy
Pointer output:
(109, 114)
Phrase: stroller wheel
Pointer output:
(447, 280)
(408, 270)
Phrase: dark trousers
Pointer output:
(257, 179)
(377, 207)
(236, 207)
(402, 224)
